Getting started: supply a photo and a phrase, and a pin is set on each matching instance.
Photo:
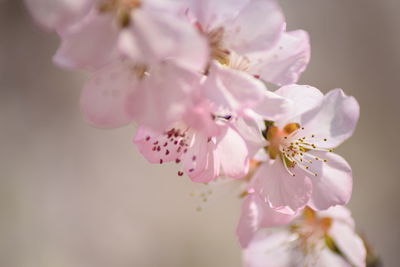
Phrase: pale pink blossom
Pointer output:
(97, 32)
(214, 133)
(301, 169)
(317, 239)
(250, 35)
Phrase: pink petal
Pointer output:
(303, 99)
(156, 36)
(334, 119)
(89, 44)
(58, 14)
(272, 106)
(105, 95)
(334, 183)
(286, 61)
(280, 189)
(231, 89)
(155, 147)
(233, 154)
(250, 132)
(257, 214)
(327, 258)
(211, 13)
(163, 96)
(199, 159)
(257, 27)
(211, 169)
(349, 243)
(200, 117)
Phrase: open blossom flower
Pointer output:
(97, 32)
(317, 239)
(250, 35)
(301, 168)
(214, 134)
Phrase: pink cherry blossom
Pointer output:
(301, 168)
(313, 239)
(95, 33)
(238, 40)
(215, 130)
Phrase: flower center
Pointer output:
(121, 9)
(140, 71)
(215, 40)
(311, 230)
(292, 148)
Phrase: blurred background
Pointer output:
(75, 196)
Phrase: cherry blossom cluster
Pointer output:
(195, 76)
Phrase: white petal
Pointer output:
(270, 248)
(349, 243)
(327, 258)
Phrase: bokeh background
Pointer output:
(75, 196)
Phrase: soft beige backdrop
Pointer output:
(75, 196)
